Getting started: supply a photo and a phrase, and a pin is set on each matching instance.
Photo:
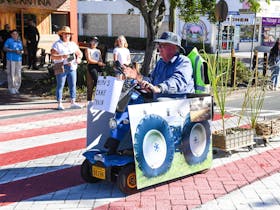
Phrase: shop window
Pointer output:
(269, 35)
(59, 20)
(246, 32)
(22, 24)
(227, 37)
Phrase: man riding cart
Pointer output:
(148, 143)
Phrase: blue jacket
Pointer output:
(175, 77)
(14, 45)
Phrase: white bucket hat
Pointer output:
(171, 38)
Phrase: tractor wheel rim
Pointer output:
(198, 139)
(154, 148)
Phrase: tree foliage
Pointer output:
(254, 5)
(192, 10)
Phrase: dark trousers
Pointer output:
(92, 76)
(32, 50)
(4, 58)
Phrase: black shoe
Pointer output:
(35, 68)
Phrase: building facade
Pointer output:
(49, 16)
(112, 18)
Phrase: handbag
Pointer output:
(58, 68)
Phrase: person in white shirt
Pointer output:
(66, 51)
(121, 52)
(94, 60)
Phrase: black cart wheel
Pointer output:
(250, 147)
(127, 179)
(196, 141)
(86, 172)
(154, 146)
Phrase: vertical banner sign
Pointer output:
(101, 109)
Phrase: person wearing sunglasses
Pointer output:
(173, 73)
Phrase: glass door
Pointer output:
(22, 22)
(227, 38)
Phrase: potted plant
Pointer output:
(253, 103)
(226, 139)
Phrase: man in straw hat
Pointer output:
(173, 74)
(67, 52)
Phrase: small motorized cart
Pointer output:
(138, 143)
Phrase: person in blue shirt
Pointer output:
(13, 47)
(173, 73)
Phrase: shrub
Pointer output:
(134, 43)
(243, 74)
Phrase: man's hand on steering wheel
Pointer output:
(149, 87)
(133, 74)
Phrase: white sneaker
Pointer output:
(12, 91)
(75, 106)
(60, 107)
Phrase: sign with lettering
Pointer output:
(108, 91)
(43, 4)
(268, 21)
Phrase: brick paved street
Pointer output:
(41, 150)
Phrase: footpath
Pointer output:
(41, 151)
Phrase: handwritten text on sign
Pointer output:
(107, 93)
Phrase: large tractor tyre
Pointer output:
(154, 146)
(196, 141)
(86, 172)
(126, 181)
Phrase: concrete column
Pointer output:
(142, 27)
(110, 25)
(73, 20)
(80, 21)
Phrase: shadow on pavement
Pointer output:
(7, 98)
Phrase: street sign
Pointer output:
(221, 11)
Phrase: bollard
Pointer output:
(233, 69)
(265, 63)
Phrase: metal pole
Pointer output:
(218, 42)
(252, 45)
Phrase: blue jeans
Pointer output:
(274, 76)
(71, 77)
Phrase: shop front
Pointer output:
(236, 32)
(49, 16)
(270, 30)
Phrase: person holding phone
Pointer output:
(14, 50)
(66, 51)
